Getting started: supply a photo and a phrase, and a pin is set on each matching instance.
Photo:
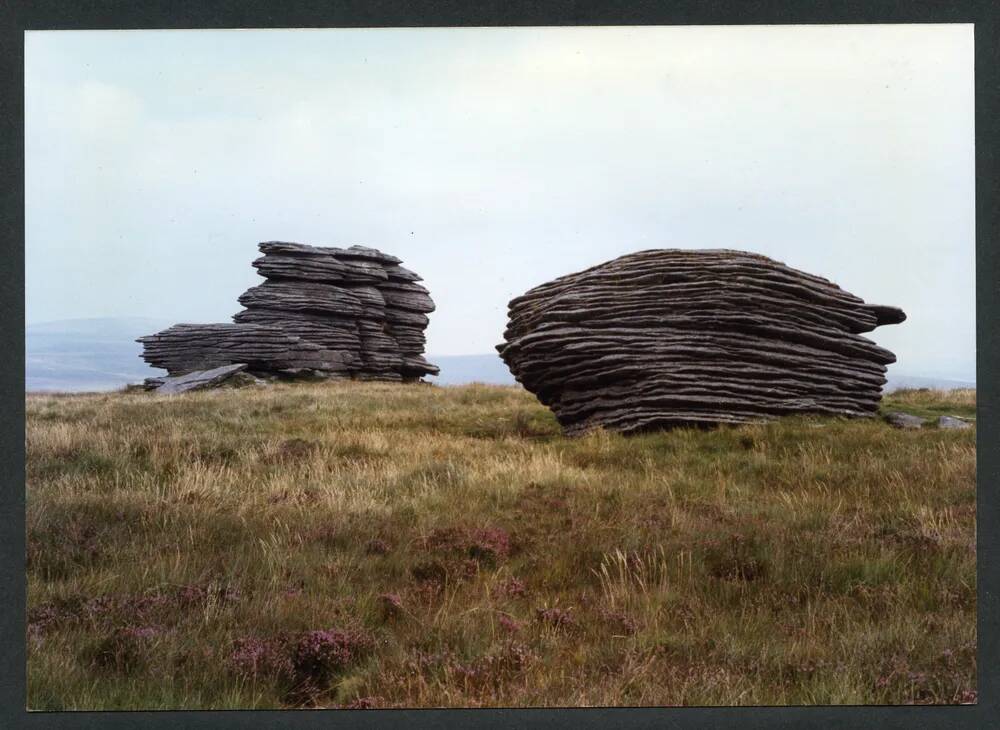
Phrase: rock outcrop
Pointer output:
(670, 337)
(329, 312)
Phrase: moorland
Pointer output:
(375, 545)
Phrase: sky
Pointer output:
(492, 160)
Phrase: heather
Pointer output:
(375, 545)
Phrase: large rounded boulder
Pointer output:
(669, 337)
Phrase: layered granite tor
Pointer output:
(321, 311)
(667, 337)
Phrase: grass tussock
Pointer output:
(371, 545)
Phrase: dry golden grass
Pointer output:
(930, 402)
(181, 549)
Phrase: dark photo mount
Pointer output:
(16, 17)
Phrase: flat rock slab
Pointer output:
(953, 422)
(199, 379)
(904, 420)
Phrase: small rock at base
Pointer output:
(904, 420)
(953, 422)
(305, 374)
(244, 379)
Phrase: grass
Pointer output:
(373, 545)
(931, 403)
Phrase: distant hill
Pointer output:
(459, 369)
(76, 355)
(87, 354)
(897, 382)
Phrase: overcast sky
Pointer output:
(491, 160)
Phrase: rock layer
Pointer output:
(670, 337)
(341, 312)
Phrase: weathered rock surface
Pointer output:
(185, 348)
(321, 312)
(904, 420)
(199, 379)
(670, 337)
(953, 422)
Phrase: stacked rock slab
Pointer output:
(668, 337)
(338, 312)
(186, 348)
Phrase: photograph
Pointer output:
(500, 367)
